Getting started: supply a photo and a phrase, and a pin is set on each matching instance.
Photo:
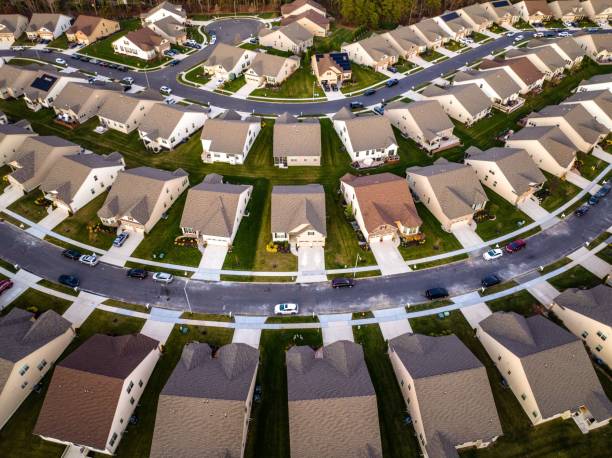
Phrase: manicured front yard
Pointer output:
(454, 46)
(523, 25)
(233, 85)
(478, 37)
(590, 166)
(560, 192)
(197, 76)
(576, 277)
(606, 254)
(60, 42)
(497, 29)
(26, 206)
(431, 55)
(522, 303)
(507, 217)
(362, 77)
(404, 66)
(302, 84)
(38, 302)
(4, 171)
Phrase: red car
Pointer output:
(4, 285)
(515, 246)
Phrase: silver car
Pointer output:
(163, 277)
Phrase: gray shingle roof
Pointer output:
(46, 20)
(293, 206)
(367, 132)
(293, 31)
(428, 115)
(602, 98)
(552, 139)
(9, 22)
(227, 132)
(225, 55)
(162, 120)
(119, 107)
(294, 138)
(578, 118)
(595, 303)
(470, 96)
(377, 47)
(499, 80)
(431, 29)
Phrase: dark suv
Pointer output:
(69, 280)
(71, 254)
(436, 293)
(137, 273)
(490, 280)
(343, 283)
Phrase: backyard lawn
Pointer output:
(362, 78)
(576, 277)
(337, 37)
(302, 84)
(507, 217)
(27, 207)
(560, 192)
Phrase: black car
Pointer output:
(593, 200)
(436, 293)
(343, 282)
(174, 63)
(356, 105)
(604, 191)
(370, 92)
(71, 254)
(137, 273)
(581, 211)
(392, 82)
(69, 280)
(490, 280)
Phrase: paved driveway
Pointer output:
(335, 327)
(531, 207)
(160, 324)
(466, 234)
(118, 256)
(10, 195)
(213, 257)
(311, 265)
(83, 306)
(592, 263)
(388, 258)
(394, 328)
(544, 292)
(581, 182)
(21, 282)
(245, 334)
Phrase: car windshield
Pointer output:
(492, 252)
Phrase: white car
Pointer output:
(165, 90)
(563, 34)
(163, 277)
(538, 35)
(60, 61)
(510, 34)
(519, 37)
(128, 80)
(493, 254)
(286, 309)
(89, 259)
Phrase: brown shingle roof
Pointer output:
(145, 38)
(86, 24)
(294, 206)
(311, 15)
(525, 70)
(288, 8)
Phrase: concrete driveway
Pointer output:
(544, 292)
(335, 327)
(55, 217)
(581, 182)
(10, 195)
(592, 263)
(83, 306)
(244, 333)
(213, 257)
(160, 324)
(21, 282)
(388, 258)
(311, 264)
(118, 256)
(245, 90)
(531, 207)
(394, 328)
(466, 234)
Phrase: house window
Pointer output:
(130, 386)
(42, 365)
(499, 358)
(509, 372)
(113, 439)
(535, 414)
(132, 401)
(401, 383)
(601, 335)
(92, 191)
(523, 396)
(140, 383)
(24, 369)
(598, 348)
(24, 384)
(95, 178)
(584, 334)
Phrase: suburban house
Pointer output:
(382, 206)
(365, 138)
(567, 10)
(547, 369)
(298, 7)
(599, 11)
(12, 27)
(3, 118)
(545, 58)
(167, 126)
(46, 26)
(510, 172)
(374, 52)
(14, 80)
(405, 41)
(598, 46)
(94, 391)
(79, 102)
(596, 83)
(46, 86)
(271, 70)
(425, 122)
(332, 402)
(447, 392)
(142, 43)
(476, 15)
(566, 47)
(170, 29)
(213, 391)
(164, 10)
(575, 122)
(331, 68)
(586, 313)
(75, 180)
(12, 137)
(139, 197)
(125, 112)
(521, 70)
(312, 21)
(598, 103)
(298, 215)
(534, 11)
(431, 32)
(293, 38)
(450, 191)
(502, 12)
(548, 146)
(466, 103)
(29, 347)
(496, 84)
(214, 209)
(454, 24)
(228, 138)
(89, 29)
(228, 62)
(296, 142)
(35, 159)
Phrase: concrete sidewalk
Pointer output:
(581, 182)
(22, 280)
(532, 208)
(591, 262)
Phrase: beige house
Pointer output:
(447, 392)
(298, 215)
(548, 146)
(142, 43)
(499, 87)
(125, 112)
(271, 70)
(547, 369)
(545, 58)
(455, 24)
(502, 12)
(466, 103)
(425, 122)
(139, 197)
(382, 206)
(35, 159)
(46, 86)
(331, 68)
(213, 392)
(94, 391)
(332, 402)
(79, 102)
(292, 38)
(12, 137)
(509, 172)
(567, 10)
(169, 28)
(599, 11)
(229, 138)
(597, 103)
(521, 70)
(214, 209)
(29, 347)
(296, 143)
(534, 11)
(431, 32)
(46, 26)
(298, 7)
(575, 122)
(12, 27)
(312, 21)
(228, 62)
(598, 46)
(167, 126)
(586, 313)
(374, 52)
(476, 15)
(89, 29)
(566, 47)
(76, 179)
(163, 10)
(450, 191)
(596, 83)
(14, 80)
(406, 42)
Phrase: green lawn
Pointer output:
(497, 29)
(431, 55)
(4, 171)
(523, 25)
(506, 215)
(362, 77)
(57, 287)
(560, 192)
(555, 24)
(193, 33)
(478, 37)
(576, 277)
(404, 66)
(125, 305)
(606, 254)
(337, 37)
(37, 301)
(301, 85)
(27, 207)
(398, 439)
(196, 75)
(233, 85)
(589, 165)
(60, 42)
(521, 302)
(454, 46)
(268, 434)
(555, 265)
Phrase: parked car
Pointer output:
(165, 90)
(127, 80)
(563, 34)
(5, 284)
(121, 68)
(510, 34)
(519, 37)
(342, 282)
(120, 239)
(90, 259)
(71, 254)
(356, 105)
(380, 110)
(603, 191)
(137, 273)
(493, 254)
(163, 277)
(334, 87)
(60, 61)
(490, 280)
(582, 210)
(436, 293)
(370, 92)
(392, 82)
(538, 34)
(174, 63)
(515, 246)
(69, 280)
(286, 309)
(593, 200)
(392, 69)
(93, 61)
